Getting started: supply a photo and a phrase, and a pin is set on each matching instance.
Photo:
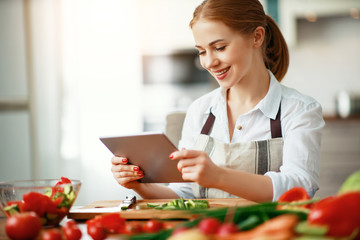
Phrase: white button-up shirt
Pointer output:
(301, 123)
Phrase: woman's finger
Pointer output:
(184, 154)
(190, 176)
(184, 163)
(119, 168)
(118, 160)
(125, 181)
(128, 174)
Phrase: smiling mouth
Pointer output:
(222, 71)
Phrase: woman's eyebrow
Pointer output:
(212, 43)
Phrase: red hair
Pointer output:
(245, 16)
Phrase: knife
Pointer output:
(129, 200)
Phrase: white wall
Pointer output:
(326, 59)
(15, 152)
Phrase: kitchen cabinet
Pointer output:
(291, 10)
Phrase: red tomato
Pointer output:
(209, 225)
(95, 229)
(63, 180)
(23, 226)
(112, 222)
(133, 227)
(51, 234)
(58, 188)
(152, 226)
(38, 203)
(294, 194)
(227, 229)
(71, 230)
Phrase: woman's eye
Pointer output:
(201, 53)
(220, 48)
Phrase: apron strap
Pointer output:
(275, 125)
(208, 124)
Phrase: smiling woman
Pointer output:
(244, 50)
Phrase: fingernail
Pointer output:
(140, 173)
(136, 169)
(124, 160)
(171, 156)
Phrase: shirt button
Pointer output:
(239, 127)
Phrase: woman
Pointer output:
(252, 137)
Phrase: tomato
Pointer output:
(152, 226)
(23, 226)
(57, 188)
(133, 227)
(71, 230)
(209, 225)
(95, 229)
(51, 234)
(227, 229)
(112, 222)
(294, 194)
(38, 203)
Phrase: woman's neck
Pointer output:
(244, 96)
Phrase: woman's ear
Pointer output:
(259, 35)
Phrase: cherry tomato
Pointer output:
(71, 230)
(95, 229)
(51, 234)
(112, 222)
(227, 229)
(133, 227)
(209, 225)
(23, 226)
(152, 226)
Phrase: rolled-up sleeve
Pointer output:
(183, 190)
(301, 150)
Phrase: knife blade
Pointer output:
(129, 200)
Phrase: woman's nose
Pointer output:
(210, 61)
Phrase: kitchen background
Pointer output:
(74, 70)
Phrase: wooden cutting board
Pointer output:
(140, 210)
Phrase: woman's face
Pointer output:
(225, 53)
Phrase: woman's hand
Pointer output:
(126, 175)
(197, 166)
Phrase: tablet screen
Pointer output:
(149, 151)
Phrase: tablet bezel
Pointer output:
(149, 151)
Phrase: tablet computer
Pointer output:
(149, 151)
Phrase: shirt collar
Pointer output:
(269, 105)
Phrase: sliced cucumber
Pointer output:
(12, 209)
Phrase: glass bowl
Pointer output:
(50, 199)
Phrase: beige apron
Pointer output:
(256, 157)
